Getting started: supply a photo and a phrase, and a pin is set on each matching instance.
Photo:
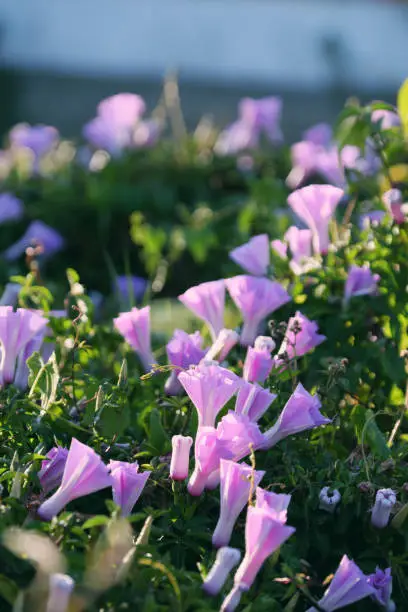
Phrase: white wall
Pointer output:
(260, 40)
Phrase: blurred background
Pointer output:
(59, 58)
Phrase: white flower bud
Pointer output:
(61, 587)
(385, 500)
(226, 559)
(264, 343)
(329, 499)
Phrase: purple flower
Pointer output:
(208, 452)
(360, 281)
(393, 203)
(226, 559)
(253, 401)
(40, 139)
(316, 205)
(388, 119)
(258, 361)
(237, 481)
(237, 137)
(183, 350)
(240, 434)
(274, 502)
(207, 302)
(301, 337)
(381, 581)
(130, 288)
(10, 295)
(37, 233)
(104, 135)
(134, 326)
(301, 412)
(225, 342)
(122, 109)
(11, 208)
(84, 473)
(52, 468)
(256, 298)
(146, 134)
(59, 592)
(180, 457)
(366, 219)
(209, 387)
(21, 333)
(127, 484)
(253, 256)
(349, 585)
(320, 134)
(385, 500)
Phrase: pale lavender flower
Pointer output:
(10, 294)
(237, 481)
(84, 473)
(40, 139)
(388, 119)
(258, 361)
(208, 452)
(134, 326)
(240, 434)
(207, 302)
(183, 350)
(360, 281)
(280, 247)
(301, 412)
(237, 137)
(225, 342)
(253, 401)
(329, 499)
(226, 559)
(52, 468)
(146, 134)
(122, 109)
(393, 202)
(301, 337)
(180, 457)
(101, 134)
(299, 242)
(381, 581)
(37, 234)
(320, 134)
(209, 387)
(255, 298)
(127, 484)
(349, 585)
(253, 256)
(385, 501)
(130, 288)
(277, 503)
(369, 218)
(60, 589)
(316, 205)
(11, 208)
(264, 116)
(19, 334)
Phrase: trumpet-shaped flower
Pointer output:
(84, 473)
(180, 457)
(225, 342)
(37, 234)
(237, 481)
(360, 281)
(40, 139)
(226, 559)
(52, 468)
(183, 350)
(240, 434)
(18, 331)
(381, 581)
(60, 589)
(255, 298)
(315, 205)
(127, 484)
(301, 337)
(258, 361)
(207, 302)
(385, 500)
(301, 412)
(11, 208)
(134, 326)
(393, 202)
(349, 585)
(209, 387)
(253, 401)
(208, 451)
(253, 256)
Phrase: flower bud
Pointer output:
(61, 587)
(226, 559)
(226, 340)
(329, 499)
(180, 457)
(384, 502)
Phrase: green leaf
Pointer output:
(157, 436)
(96, 521)
(44, 377)
(369, 433)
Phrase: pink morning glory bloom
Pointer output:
(299, 242)
(101, 134)
(388, 119)
(381, 581)
(360, 281)
(225, 342)
(393, 202)
(208, 452)
(320, 134)
(40, 139)
(122, 110)
(301, 412)
(207, 302)
(37, 233)
(183, 350)
(84, 473)
(180, 457)
(127, 484)
(240, 434)
(11, 208)
(52, 468)
(385, 501)
(236, 482)
(253, 401)
(274, 502)
(302, 342)
(227, 558)
(349, 585)
(253, 256)
(209, 387)
(255, 298)
(315, 205)
(19, 333)
(258, 364)
(134, 326)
